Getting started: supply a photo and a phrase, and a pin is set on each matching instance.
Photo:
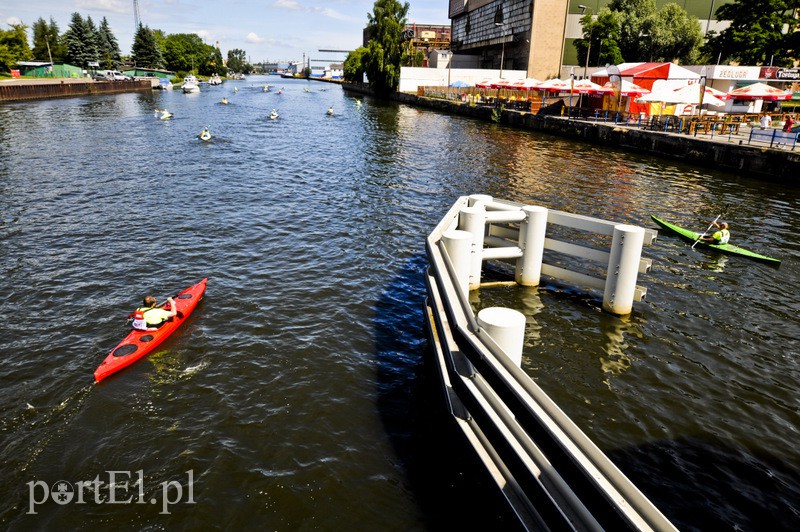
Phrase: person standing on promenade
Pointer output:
(787, 126)
(766, 121)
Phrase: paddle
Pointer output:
(710, 226)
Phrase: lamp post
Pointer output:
(589, 47)
(703, 79)
(503, 49)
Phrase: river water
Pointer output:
(297, 395)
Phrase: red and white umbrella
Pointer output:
(527, 84)
(491, 83)
(587, 86)
(554, 85)
(760, 91)
(628, 89)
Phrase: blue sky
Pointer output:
(274, 30)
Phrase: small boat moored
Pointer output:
(205, 135)
(730, 249)
(190, 84)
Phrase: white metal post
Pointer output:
(473, 220)
(623, 269)
(507, 328)
(458, 245)
(531, 242)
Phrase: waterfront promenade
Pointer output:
(730, 152)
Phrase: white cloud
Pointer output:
(293, 5)
(252, 37)
(289, 4)
(203, 34)
(13, 21)
(111, 6)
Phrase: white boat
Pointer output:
(215, 80)
(330, 111)
(165, 115)
(163, 84)
(205, 135)
(273, 115)
(190, 84)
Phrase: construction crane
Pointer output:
(136, 18)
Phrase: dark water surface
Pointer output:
(296, 397)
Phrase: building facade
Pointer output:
(538, 35)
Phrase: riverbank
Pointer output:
(38, 89)
(726, 152)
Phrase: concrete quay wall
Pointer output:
(757, 161)
(67, 88)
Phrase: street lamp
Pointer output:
(589, 47)
(498, 22)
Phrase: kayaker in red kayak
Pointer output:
(719, 237)
(150, 318)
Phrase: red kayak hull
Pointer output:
(139, 344)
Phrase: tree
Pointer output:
(46, 41)
(108, 48)
(385, 50)
(78, 42)
(14, 46)
(633, 30)
(237, 61)
(353, 68)
(92, 47)
(603, 34)
(675, 34)
(760, 32)
(145, 51)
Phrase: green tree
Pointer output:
(760, 32)
(237, 61)
(145, 51)
(92, 46)
(603, 34)
(14, 46)
(675, 35)
(108, 48)
(353, 66)
(47, 42)
(636, 27)
(385, 48)
(78, 42)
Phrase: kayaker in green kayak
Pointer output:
(150, 318)
(719, 237)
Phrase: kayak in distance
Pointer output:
(730, 249)
(139, 343)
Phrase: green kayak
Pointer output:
(692, 237)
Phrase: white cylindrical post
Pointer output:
(623, 269)
(458, 245)
(473, 220)
(483, 198)
(507, 328)
(531, 242)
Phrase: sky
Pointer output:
(267, 30)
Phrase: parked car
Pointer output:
(99, 76)
(116, 75)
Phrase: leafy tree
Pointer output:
(757, 33)
(633, 30)
(385, 50)
(146, 52)
(237, 61)
(14, 46)
(603, 34)
(109, 52)
(45, 34)
(353, 66)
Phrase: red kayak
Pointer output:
(139, 343)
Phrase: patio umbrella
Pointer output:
(587, 86)
(554, 85)
(629, 89)
(759, 91)
(489, 83)
(691, 94)
(459, 83)
(527, 84)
